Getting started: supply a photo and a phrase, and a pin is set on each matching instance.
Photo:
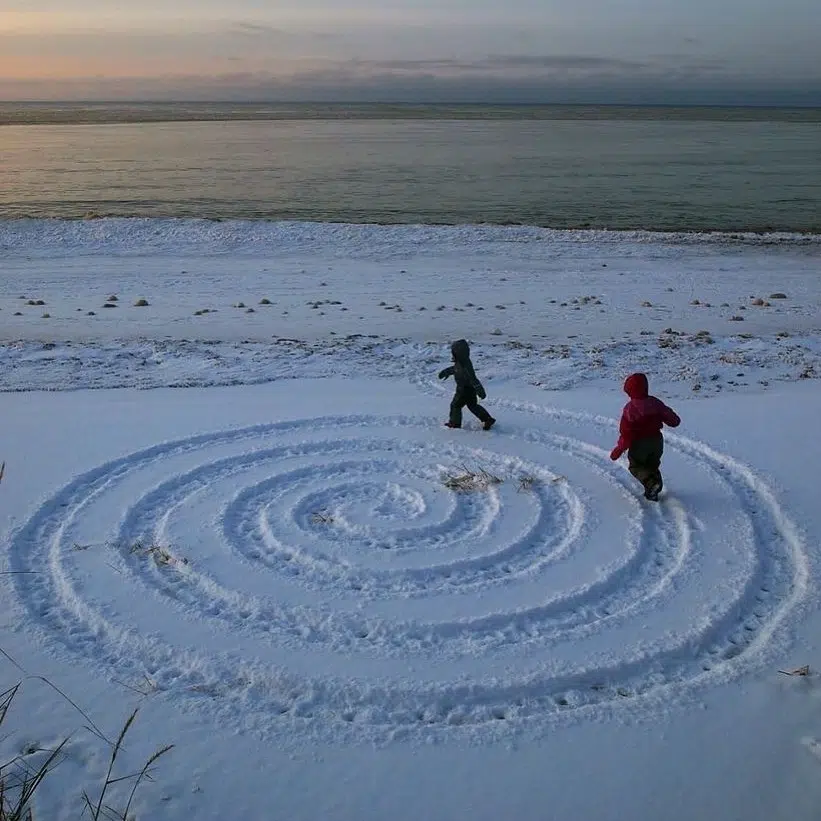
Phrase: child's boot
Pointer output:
(653, 487)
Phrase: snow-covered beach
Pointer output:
(271, 564)
(240, 302)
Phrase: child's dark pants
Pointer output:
(466, 397)
(644, 460)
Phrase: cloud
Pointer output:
(362, 83)
(562, 61)
(250, 69)
(499, 65)
(549, 70)
(256, 29)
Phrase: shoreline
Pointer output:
(724, 235)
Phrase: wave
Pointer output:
(148, 236)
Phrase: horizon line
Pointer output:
(398, 103)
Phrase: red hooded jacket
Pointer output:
(643, 415)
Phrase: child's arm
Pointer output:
(474, 381)
(446, 372)
(624, 436)
(669, 416)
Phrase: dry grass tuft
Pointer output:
(470, 481)
(526, 483)
(20, 778)
(101, 810)
(161, 555)
(799, 671)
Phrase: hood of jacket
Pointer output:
(636, 387)
(461, 351)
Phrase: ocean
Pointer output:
(566, 167)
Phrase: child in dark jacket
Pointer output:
(468, 387)
(640, 435)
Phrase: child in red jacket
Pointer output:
(640, 434)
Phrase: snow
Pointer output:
(269, 564)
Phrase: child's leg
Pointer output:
(654, 461)
(477, 410)
(456, 405)
(644, 461)
(639, 470)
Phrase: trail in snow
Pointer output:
(363, 598)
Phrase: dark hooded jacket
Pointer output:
(643, 415)
(462, 369)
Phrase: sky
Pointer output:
(652, 51)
